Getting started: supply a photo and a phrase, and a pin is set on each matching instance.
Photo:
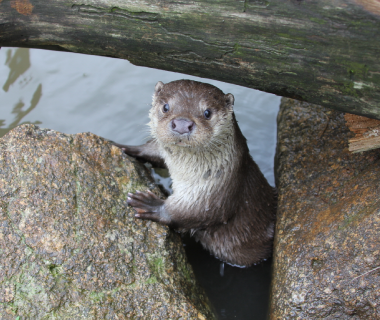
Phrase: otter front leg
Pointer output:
(149, 206)
(147, 152)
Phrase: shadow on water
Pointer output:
(235, 293)
(18, 64)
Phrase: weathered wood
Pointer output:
(367, 133)
(325, 52)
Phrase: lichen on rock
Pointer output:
(70, 247)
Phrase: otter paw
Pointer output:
(147, 205)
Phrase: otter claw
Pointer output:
(147, 205)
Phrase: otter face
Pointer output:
(190, 114)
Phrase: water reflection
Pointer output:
(20, 113)
(18, 64)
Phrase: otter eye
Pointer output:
(165, 108)
(207, 114)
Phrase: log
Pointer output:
(367, 133)
(324, 52)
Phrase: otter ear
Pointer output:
(158, 87)
(229, 98)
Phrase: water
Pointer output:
(236, 293)
(75, 93)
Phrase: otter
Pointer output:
(219, 193)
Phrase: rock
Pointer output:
(327, 244)
(70, 247)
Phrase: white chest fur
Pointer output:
(198, 173)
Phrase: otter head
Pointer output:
(187, 113)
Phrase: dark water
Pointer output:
(235, 293)
(75, 93)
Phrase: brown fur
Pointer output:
(219, 195)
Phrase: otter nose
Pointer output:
(182, 125)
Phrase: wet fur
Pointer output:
(220, 195)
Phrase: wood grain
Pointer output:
(323, 52)
(367, 133)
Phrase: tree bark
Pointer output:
(325, 52)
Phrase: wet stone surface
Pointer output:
(327, 244)
(70, 247)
